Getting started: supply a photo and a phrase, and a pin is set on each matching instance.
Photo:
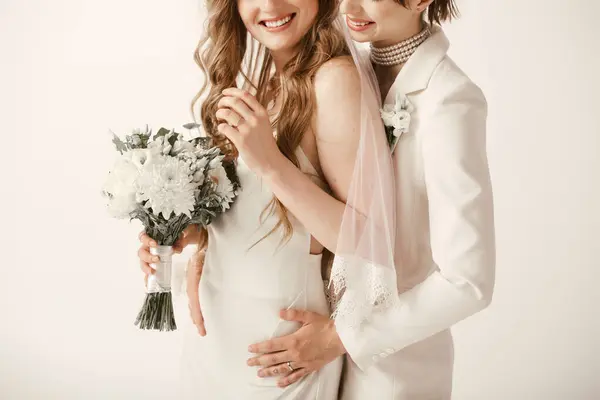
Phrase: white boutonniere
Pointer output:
(396, 118)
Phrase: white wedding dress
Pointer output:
(242, 289)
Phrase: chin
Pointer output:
(275, 46)
(362, 37)
(281, 42)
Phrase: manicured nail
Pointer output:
(261, 374)
(155, 259)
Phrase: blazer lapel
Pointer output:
(419, 68)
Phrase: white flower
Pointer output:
(401, 122)
(139, 157)
(121, 207)
(138, 131)
(201, 163)
(162, 144)
(119, 188)
(216, 162)
(167, 187)
(199, 166)
(223, 186)
(184, 148)
(397, 115)
(387, 114)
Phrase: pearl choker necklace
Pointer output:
(399, 53)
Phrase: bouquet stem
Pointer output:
(157, 311)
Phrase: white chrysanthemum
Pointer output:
(167, 187)
(223, 186)
(119, 188)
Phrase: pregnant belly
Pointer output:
(234, 321)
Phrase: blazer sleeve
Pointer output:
(457, 181)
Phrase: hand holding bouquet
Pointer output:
(168, 183)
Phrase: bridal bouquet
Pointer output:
(168, 183)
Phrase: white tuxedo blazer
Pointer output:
(445, 245)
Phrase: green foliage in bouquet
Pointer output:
(168, 183)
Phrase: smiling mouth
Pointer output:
(278, 23)
(358, 23)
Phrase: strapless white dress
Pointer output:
(244, 285)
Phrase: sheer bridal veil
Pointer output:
(363, 275)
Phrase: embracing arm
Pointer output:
(337, 130)
(462, 234)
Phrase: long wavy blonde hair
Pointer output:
(226, 53)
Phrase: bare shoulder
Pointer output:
(337, 78)
(337, 96)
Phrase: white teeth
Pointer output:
(359, 23)
(276, 24)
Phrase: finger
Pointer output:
(238, 105)
(229, 116)
(246, 97)
(227, 130)
(293, 377)
(271, 359)
(277, 370)
(147, 240)
(196, 312)
(147, 257)
(269, 346)
(146, 268)
(298, 315)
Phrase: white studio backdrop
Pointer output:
(71, 286)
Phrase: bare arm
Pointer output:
(462, 240)
(337, 130)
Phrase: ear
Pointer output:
(420, 5)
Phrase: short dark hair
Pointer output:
(439, 10)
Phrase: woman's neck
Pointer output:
(386, 74)
(282, 57)
(407, 31)
(387, 71)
